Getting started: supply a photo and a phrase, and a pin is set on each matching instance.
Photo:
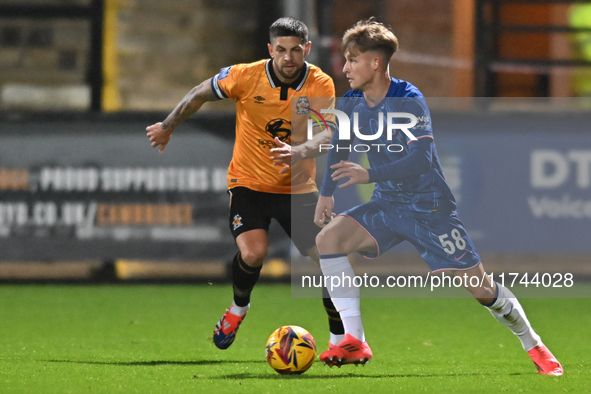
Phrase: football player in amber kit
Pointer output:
(267, 93)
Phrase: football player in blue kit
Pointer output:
(411, 202)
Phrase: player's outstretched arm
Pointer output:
(286, 155)
(311, 148)
(160, 132)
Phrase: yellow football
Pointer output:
(291, 350)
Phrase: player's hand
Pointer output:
(324, 214)
(158, 135)
(348, 169)
(282, 155)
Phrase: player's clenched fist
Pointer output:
(159, 136)
(324, 214)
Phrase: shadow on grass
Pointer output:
(351, 375)
(272, 376)
(157, 362)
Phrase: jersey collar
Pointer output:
(296, 85)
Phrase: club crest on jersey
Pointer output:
(237, 222)
(303, 106)
(281, 129)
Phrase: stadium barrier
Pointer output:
(82, 187)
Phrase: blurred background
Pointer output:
(84, 197)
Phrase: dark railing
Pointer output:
(488, 61)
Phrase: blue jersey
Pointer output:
(406, 172)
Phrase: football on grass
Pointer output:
(290, 350)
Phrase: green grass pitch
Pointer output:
(157, 339)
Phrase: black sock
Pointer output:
(335, 323)
(244, 277)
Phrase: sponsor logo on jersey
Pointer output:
(280, 128)
(259, 100)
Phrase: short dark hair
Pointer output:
(370, 35)
(289, 27)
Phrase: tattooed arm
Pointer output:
(160, 132)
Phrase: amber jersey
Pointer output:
(267, 108)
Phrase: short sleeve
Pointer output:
(226, 83)
(324, 98)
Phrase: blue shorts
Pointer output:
(439, 237)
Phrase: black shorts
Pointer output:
(250, 210)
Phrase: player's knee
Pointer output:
(321, 241)
(328, 241)
(254, 255)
